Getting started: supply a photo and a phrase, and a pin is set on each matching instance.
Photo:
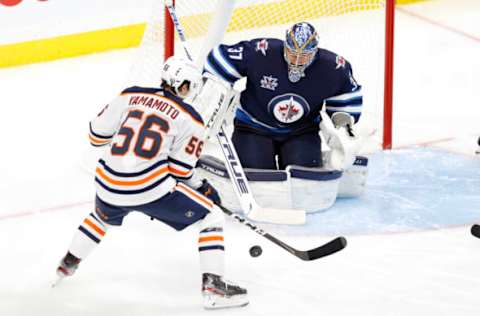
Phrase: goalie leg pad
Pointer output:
(354, 179)
(313, 189)
(270, 187)
(302, 188)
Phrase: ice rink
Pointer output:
(409, 249)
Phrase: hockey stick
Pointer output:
(475, 230)
(324, 250)
(245, 196)
(178, 27)
(235, 170)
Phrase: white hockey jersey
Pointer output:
(154, 138)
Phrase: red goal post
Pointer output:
(360, 30)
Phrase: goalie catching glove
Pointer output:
(341, 139)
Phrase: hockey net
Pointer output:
(354, 29)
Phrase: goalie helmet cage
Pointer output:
(360, 30)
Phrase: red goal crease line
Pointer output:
(42, 211)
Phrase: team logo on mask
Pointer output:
(288, 108)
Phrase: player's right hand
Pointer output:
(210, 192)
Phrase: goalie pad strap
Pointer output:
(312, 174)
(216, 166)
(360, 161)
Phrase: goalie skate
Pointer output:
(219, 293)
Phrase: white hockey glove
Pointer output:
(341, 139)
(215, 101)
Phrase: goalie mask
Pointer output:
(181, 76)
(301, 45)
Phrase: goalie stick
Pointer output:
(235, 170)
(329, 248)
(475, 230)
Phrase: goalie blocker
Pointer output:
(298, 188)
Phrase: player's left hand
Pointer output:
(210, 192)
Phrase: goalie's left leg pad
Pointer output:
(313, 189)
(354, 179)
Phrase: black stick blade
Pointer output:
(475, 230)
(329, 248)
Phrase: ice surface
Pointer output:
(409, 253)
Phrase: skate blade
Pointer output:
(219, 302)
(57, 282)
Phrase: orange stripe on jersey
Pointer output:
(95, 140)
(195, 194)
(157, 173)
(211, 238)
(94, 227)
(178, 106)
(179, 172)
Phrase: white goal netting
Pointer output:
(354, 29)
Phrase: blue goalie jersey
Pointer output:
(271, 104)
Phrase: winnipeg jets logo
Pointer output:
(288, 111)
(269, 82)
(288, 108)
(340, 62)
(262, 46)
(189, 214)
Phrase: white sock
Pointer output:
(212, 251)
(88, 236)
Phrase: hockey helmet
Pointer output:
(301, 45)
(178, 72)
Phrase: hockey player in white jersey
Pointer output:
(154, 140)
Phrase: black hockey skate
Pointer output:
(68, 265)
(219, 293)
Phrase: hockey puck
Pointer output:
(475, 230)
(255, 251)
